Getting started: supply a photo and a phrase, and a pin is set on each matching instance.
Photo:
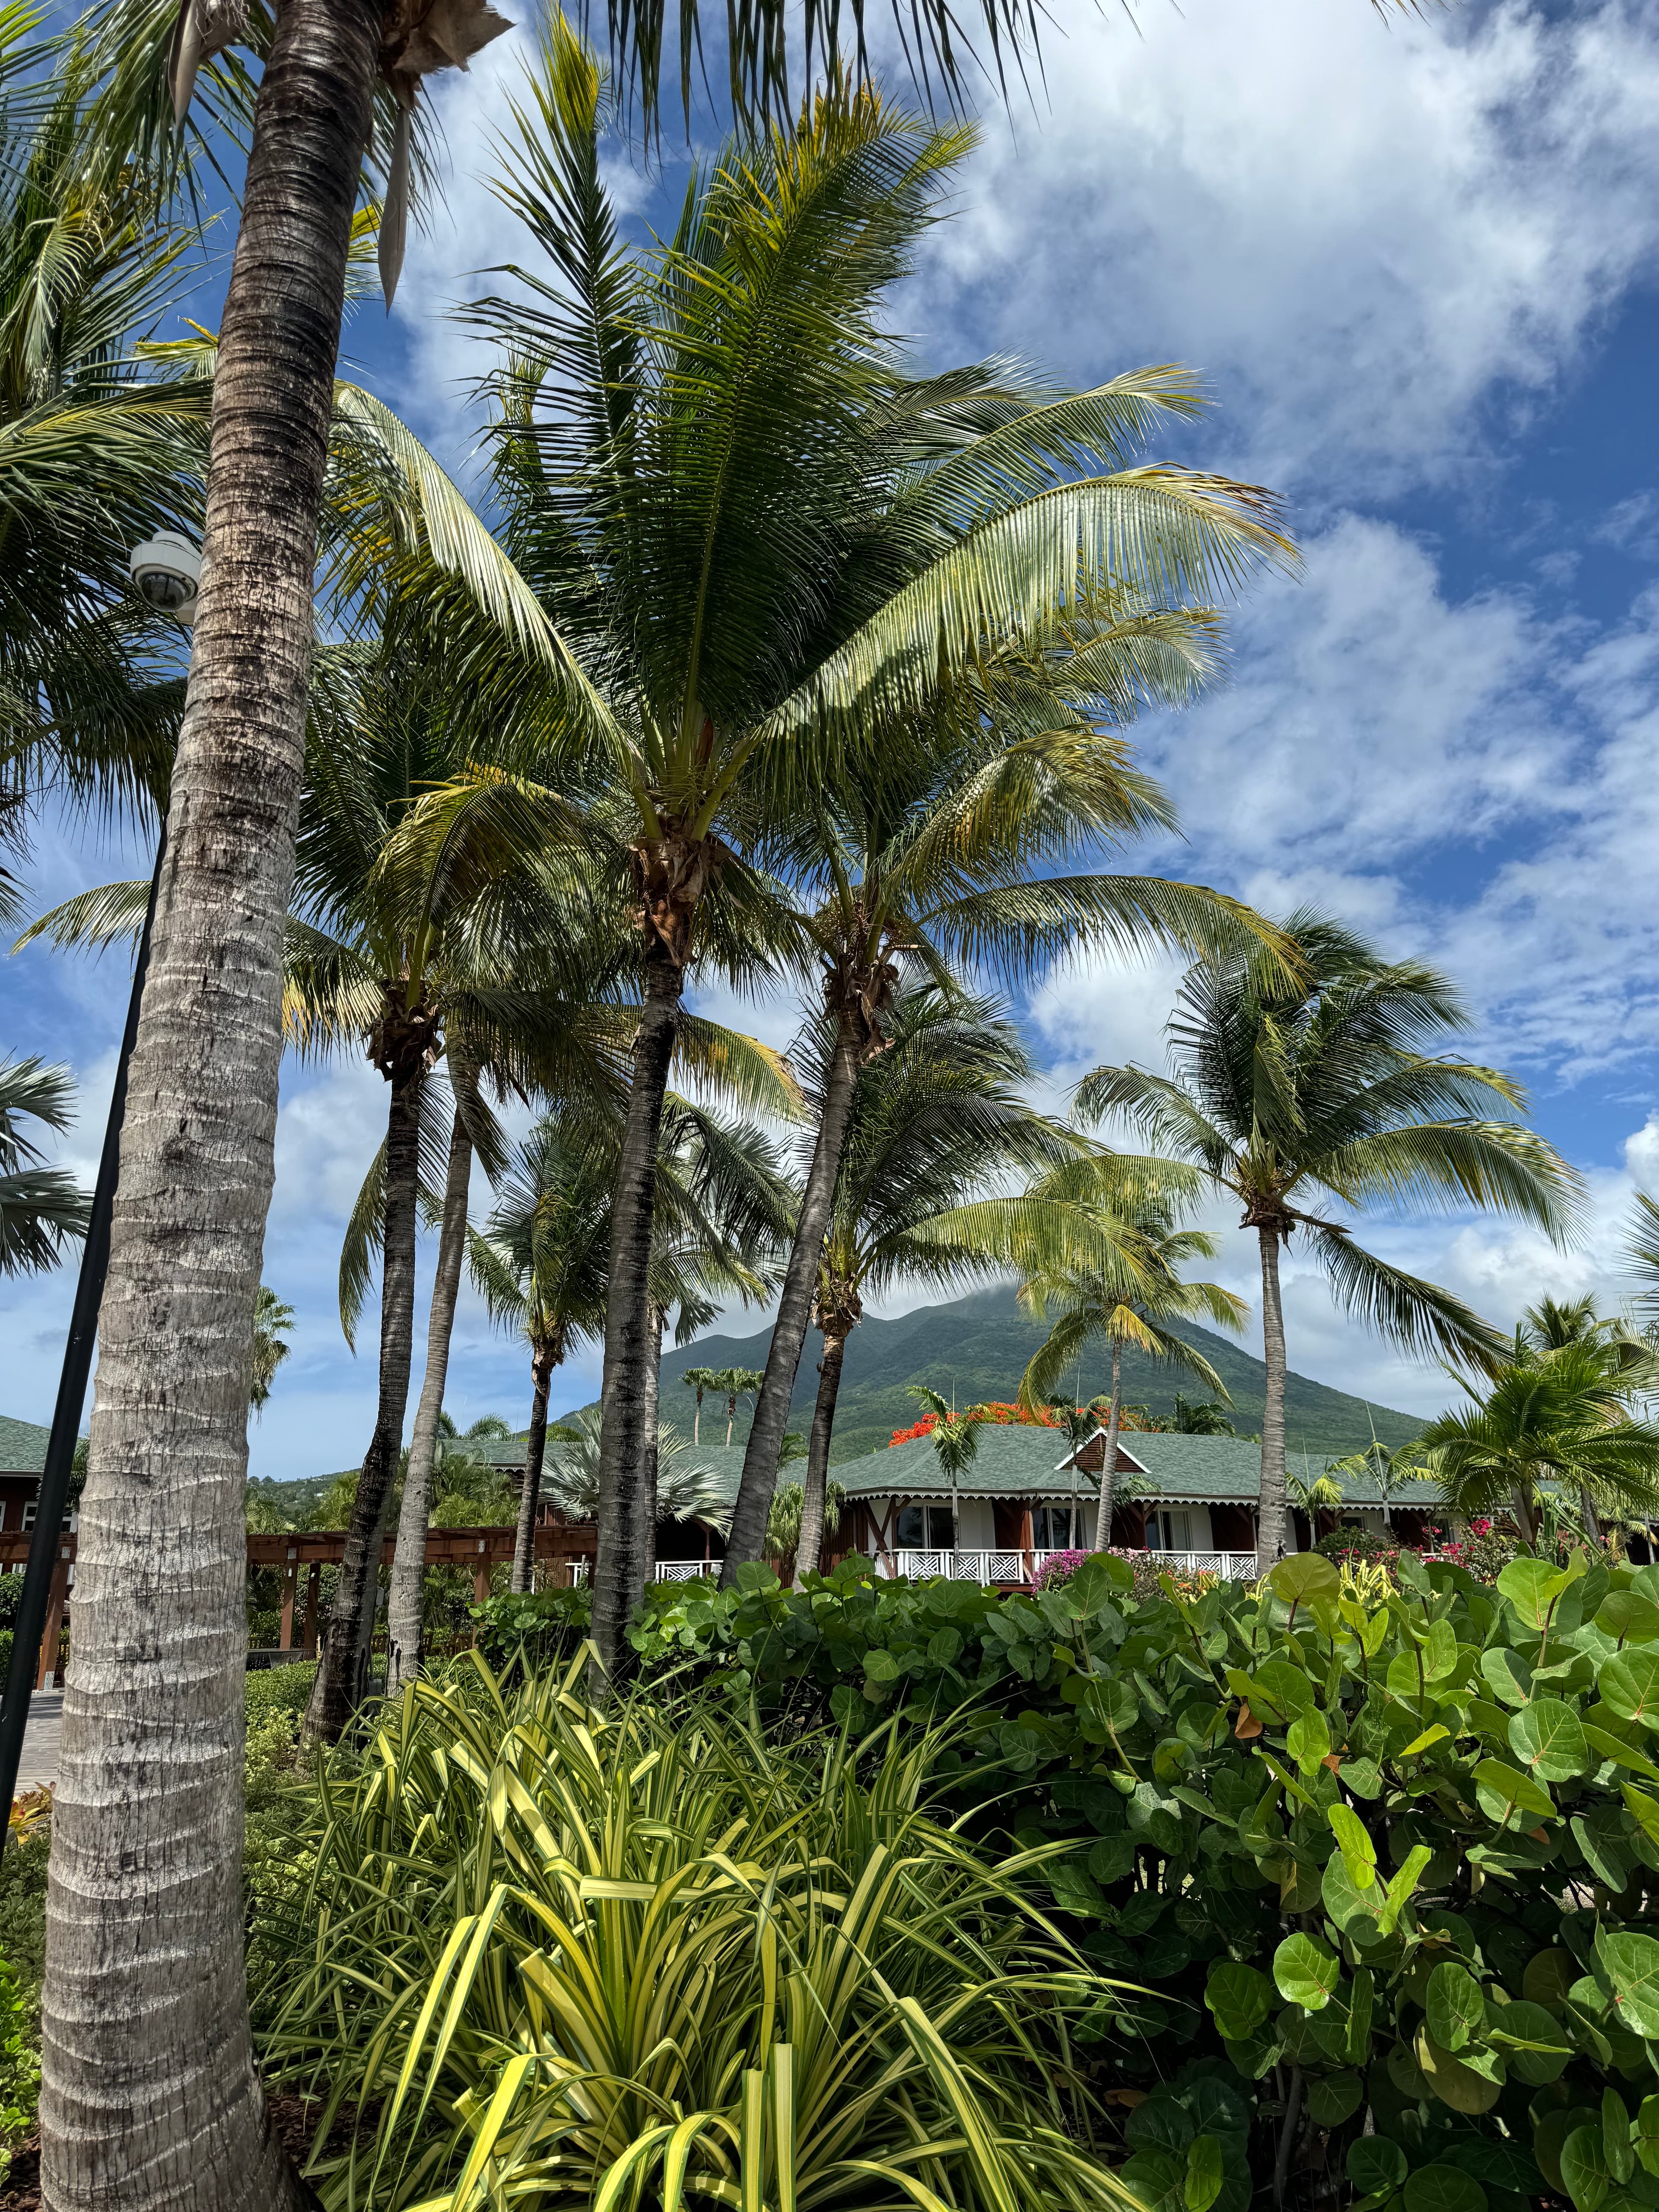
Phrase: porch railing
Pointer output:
(1016, 1566)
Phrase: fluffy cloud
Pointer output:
(1367, 233)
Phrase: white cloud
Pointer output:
(1363, 232)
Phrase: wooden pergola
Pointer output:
(306, 1554)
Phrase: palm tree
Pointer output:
(685, 1491)
(1323, 1085)
(1390, 1472)
(42, 1209)
(955, 1440)
(733, 1383)
(927, 858)
(1200, 1418)
(540, 1265)
(272, 1321)
(700, 1379)
(1127, 1306)
(766, 544)
(935, 1117)
(1545, 1419)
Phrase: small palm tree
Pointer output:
(733, 1383)
(1545, 1421)
(272, 1321)
(1131, 1304)
(1278, 1090)
(685, 1491)
(42, 1209)
(700, 1379)
(1203, 1417)
(1390, 1472)
(955, 1441)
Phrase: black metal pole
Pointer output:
(71, 1394)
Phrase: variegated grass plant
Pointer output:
(646, 1958)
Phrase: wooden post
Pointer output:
(481, 1577)
(290, 1591)
(314, 1606)
(1026, 1546)
(56, 1596)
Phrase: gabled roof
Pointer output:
(23, 1446)
(1017, 1462)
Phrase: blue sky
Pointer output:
(1416, 262)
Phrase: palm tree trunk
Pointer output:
(731, 1416)
(652, 1446)
(404, 1612)
(620, 1568)
(149, 2096)
(1270, 1510)
(342, 1669)
(810, 1547)
(696, 1422)
(759, 1461)
(542, 1363)
(1109, 1462)
(1524, 1515)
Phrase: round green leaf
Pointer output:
(1454, 2006)
(1288, 1688)
(1307, 1970)
(1333, 2097)
(1546, 1738)
(944, 1647)
(1156, 2179)
(1304, 1574)
(1584, 2169)
(1548, 1978)
(1632, 1967)
(1240, 1998)
(1205, 2175)
(1441, 2188)
(1375, 2163)
(1629, 1618)
(1507, 1676)
(1532, 1588)
(1160, 2122)
(1630, 1683)
(880, 1667)
(1503, 1792)
(1309, 1740)
(1536, 2050)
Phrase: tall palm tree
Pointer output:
(42, 1209)
(272, 1321)
(936, 1117)
(1128, 1306)
(1545, 1421)
(1323, 1085)
(929, 857)
(772, 549)
(733, 1383)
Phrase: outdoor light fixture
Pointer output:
(167, 573)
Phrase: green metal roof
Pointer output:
(1017, 1460)
(23, 1446)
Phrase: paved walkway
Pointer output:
(38, 1763)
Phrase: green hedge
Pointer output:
(1389, 1873)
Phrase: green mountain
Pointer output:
(978, 1347)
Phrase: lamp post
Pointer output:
(167, 574)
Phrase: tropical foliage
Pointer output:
(1280, 1091)
(42, 1208)
(681, 1959)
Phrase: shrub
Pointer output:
(577, 1958)
(539, 1629)
(20, 2070)
(1358, 1544)
(1484, 1552)
(1401, 1856)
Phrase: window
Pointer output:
(1169, 1532)
(1056, 1528)
(925, 1529)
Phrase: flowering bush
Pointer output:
(1348, 1545)
(1058, 1570)
(1484, 1552)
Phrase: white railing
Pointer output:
(685, 1570)
(1016, 1566)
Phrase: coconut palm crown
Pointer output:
(1279, 1092)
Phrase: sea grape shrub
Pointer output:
(536, 1629)
(1404, 1856)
